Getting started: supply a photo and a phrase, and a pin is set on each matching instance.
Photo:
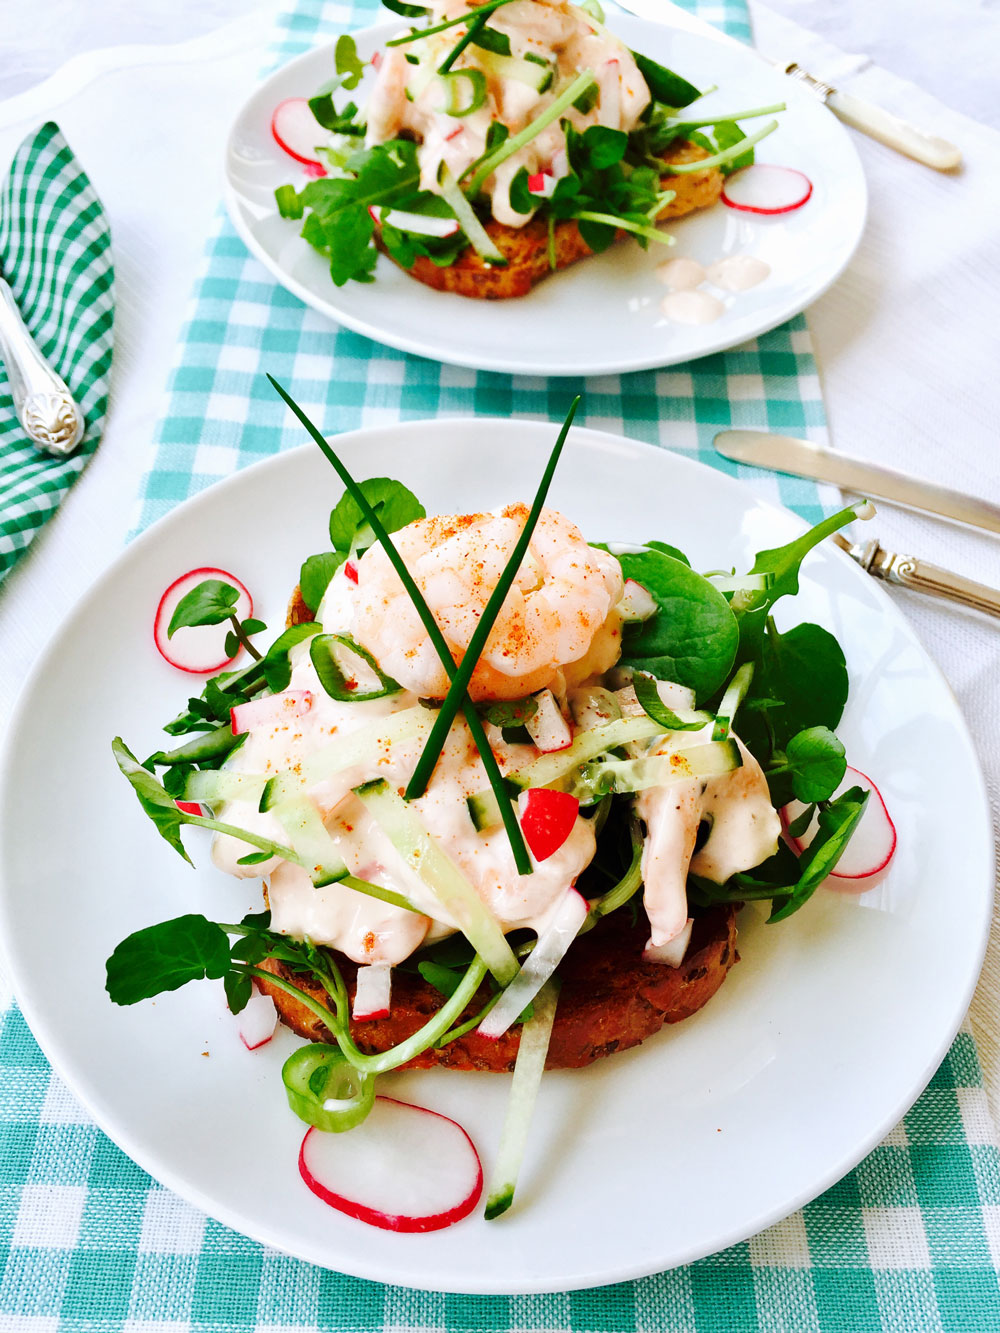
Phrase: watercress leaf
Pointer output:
(254, 859)
(175, 780)
(521, 198)
(337, 122)
(801, 822)
(597, 235)
(346, 62)
(727, 133)
(604, 147)
(694, 638)
(837, 823)
(253, 626)
(664, 85)
(508, 712)
(275, 665)
(166, 956)
(238, 987)
(807, 671)
(443, 979)
(407, 11)
(817, 763)
(208, 603)
(648, 695)
(349, 235)
(315, 576)
(288, 201)
(153, 797)
(232, 644)
(489, 39)
(394, 504)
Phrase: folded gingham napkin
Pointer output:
(55, 252)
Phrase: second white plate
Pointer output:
(602, 315)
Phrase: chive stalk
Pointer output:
(457, 691)
(507, 812)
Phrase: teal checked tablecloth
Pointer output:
(907, 1242)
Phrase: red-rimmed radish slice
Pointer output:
(270, 711)
(417, 224)
(296, 130)
(547, 727)
(547, 819)
(376, 60)
(637, 603)
(189, 807)
(556, 937)
(202, 648)
(257, 1020)
(672, 953)
(766, 189)
(873, 842)
(402, 1169)
(373, 992)
(543, 184)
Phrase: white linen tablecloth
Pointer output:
(906, 341)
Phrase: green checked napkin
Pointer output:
(55, 252)
(907, 1242)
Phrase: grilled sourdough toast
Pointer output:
(610, 999)
(527, 248)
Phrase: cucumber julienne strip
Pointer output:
(521, 858)
(460, 681)
(566, 98)
(731, 701)
(476, 234)
(528, 1069)
(442, 876)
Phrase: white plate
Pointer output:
(600, 316)
(816, 1045)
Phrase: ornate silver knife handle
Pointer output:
(906, 571)
(43, 403)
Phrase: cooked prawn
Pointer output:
(559, 613)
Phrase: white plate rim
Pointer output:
(49, 1042)
(328, 306)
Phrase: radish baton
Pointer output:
(403, 1169)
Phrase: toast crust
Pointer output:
(526, 248)
(610, 998)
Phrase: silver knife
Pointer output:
(872, 120)
(43, 403)
(802, 458)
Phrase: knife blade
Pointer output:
(867, 117)
(802, 458)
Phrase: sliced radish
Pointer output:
(873, 842)
(257, 1020)
(402, 1169)
(189, 807)
(296, 131)
(547, 819)
(376, 60)
(637, 603)
(270, 711)
(543, 184)
(547, 727)
(767, 189)
(374, 988)
(199, 649)
(543, 960)
(417, 224)
(672, 953)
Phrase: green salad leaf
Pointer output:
(165, 957)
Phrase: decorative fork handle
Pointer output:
(920, 576)
(42, 401)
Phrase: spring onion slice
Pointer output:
(727, 154)
(477, 235)
(521, 858)
(528, 1069)
(460, 682)
(477, 91)
(427, 859)
(649, 697)
(731, 700)
(584, 80)
(322, 652)
(325, 1090)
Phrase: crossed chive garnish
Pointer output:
(457, 697)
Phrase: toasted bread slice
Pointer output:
(610, 998)
(527, 248)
